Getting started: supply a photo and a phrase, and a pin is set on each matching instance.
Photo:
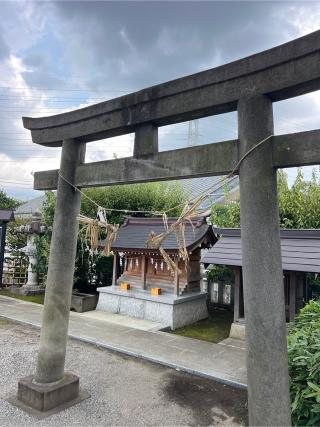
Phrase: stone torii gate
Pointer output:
(250, 86)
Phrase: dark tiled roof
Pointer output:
(6, 215)
(196, 186)
(134, 233)
(300, 249)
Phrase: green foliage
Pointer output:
(96, 268)
(304, 364)
(299, 206)
(226, 215)
(48, 208)
(218, 273)
(43, 249)
(155, 196)
(7, 202)
(92, 269)
(16, 240)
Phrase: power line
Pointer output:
(67, 90)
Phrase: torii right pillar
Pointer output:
(267, 360)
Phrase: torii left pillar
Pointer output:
(52, 388)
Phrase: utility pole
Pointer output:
(193, 133)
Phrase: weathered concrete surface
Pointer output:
(223, 363)
(302, 148)
(48, 396)
(211, 159)
(267, 362)
(296, 149)
(169, 310)
(83, 302)
(238, 331)
(282, 72)
(61, 268)
(125, 391)
(145, 140)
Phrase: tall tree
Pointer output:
(299, 205)
(7, 202)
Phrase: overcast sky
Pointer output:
(57, 56)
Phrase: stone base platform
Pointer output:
(170, 310)
(27, 290)
(238, 330)
(42, 400)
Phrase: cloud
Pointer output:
(57, 56)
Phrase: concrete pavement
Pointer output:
(224, 362)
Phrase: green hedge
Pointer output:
(304, 366)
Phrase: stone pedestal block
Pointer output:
(83, 302)
(238, 331)
(44, 397)
(171, 310)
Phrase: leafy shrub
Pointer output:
(219, 273)
(304, 366)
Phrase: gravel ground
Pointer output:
(124, 391)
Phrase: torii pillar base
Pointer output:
(44, 399)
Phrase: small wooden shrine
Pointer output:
(300, 253)
(145, 268)
(143, 284)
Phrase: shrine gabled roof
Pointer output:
(300, 249)
(6, 215)
(133, 234)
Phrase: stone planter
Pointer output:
(83, 302)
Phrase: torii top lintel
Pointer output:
(282, 72)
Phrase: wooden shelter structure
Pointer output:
(155, 291)
(248, 86)
(300, 253)
(145, 268)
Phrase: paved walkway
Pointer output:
(223, 362)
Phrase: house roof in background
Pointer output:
(196, 186)
(300, 249)
(31, 206)
(6, 215)
(193, 186)
(134, 233)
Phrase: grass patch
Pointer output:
(38, 299)
(214, 329)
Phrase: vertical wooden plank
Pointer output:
(176, 278)
(236, 299)
(144, 265)
(115, 269)
(292, 300)
(3, 229)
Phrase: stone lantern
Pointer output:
(32, 230)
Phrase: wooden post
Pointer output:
(115, 269)
(292, 297)
(176, 277)
(3, 230)
(236, 298)
(144, 265)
